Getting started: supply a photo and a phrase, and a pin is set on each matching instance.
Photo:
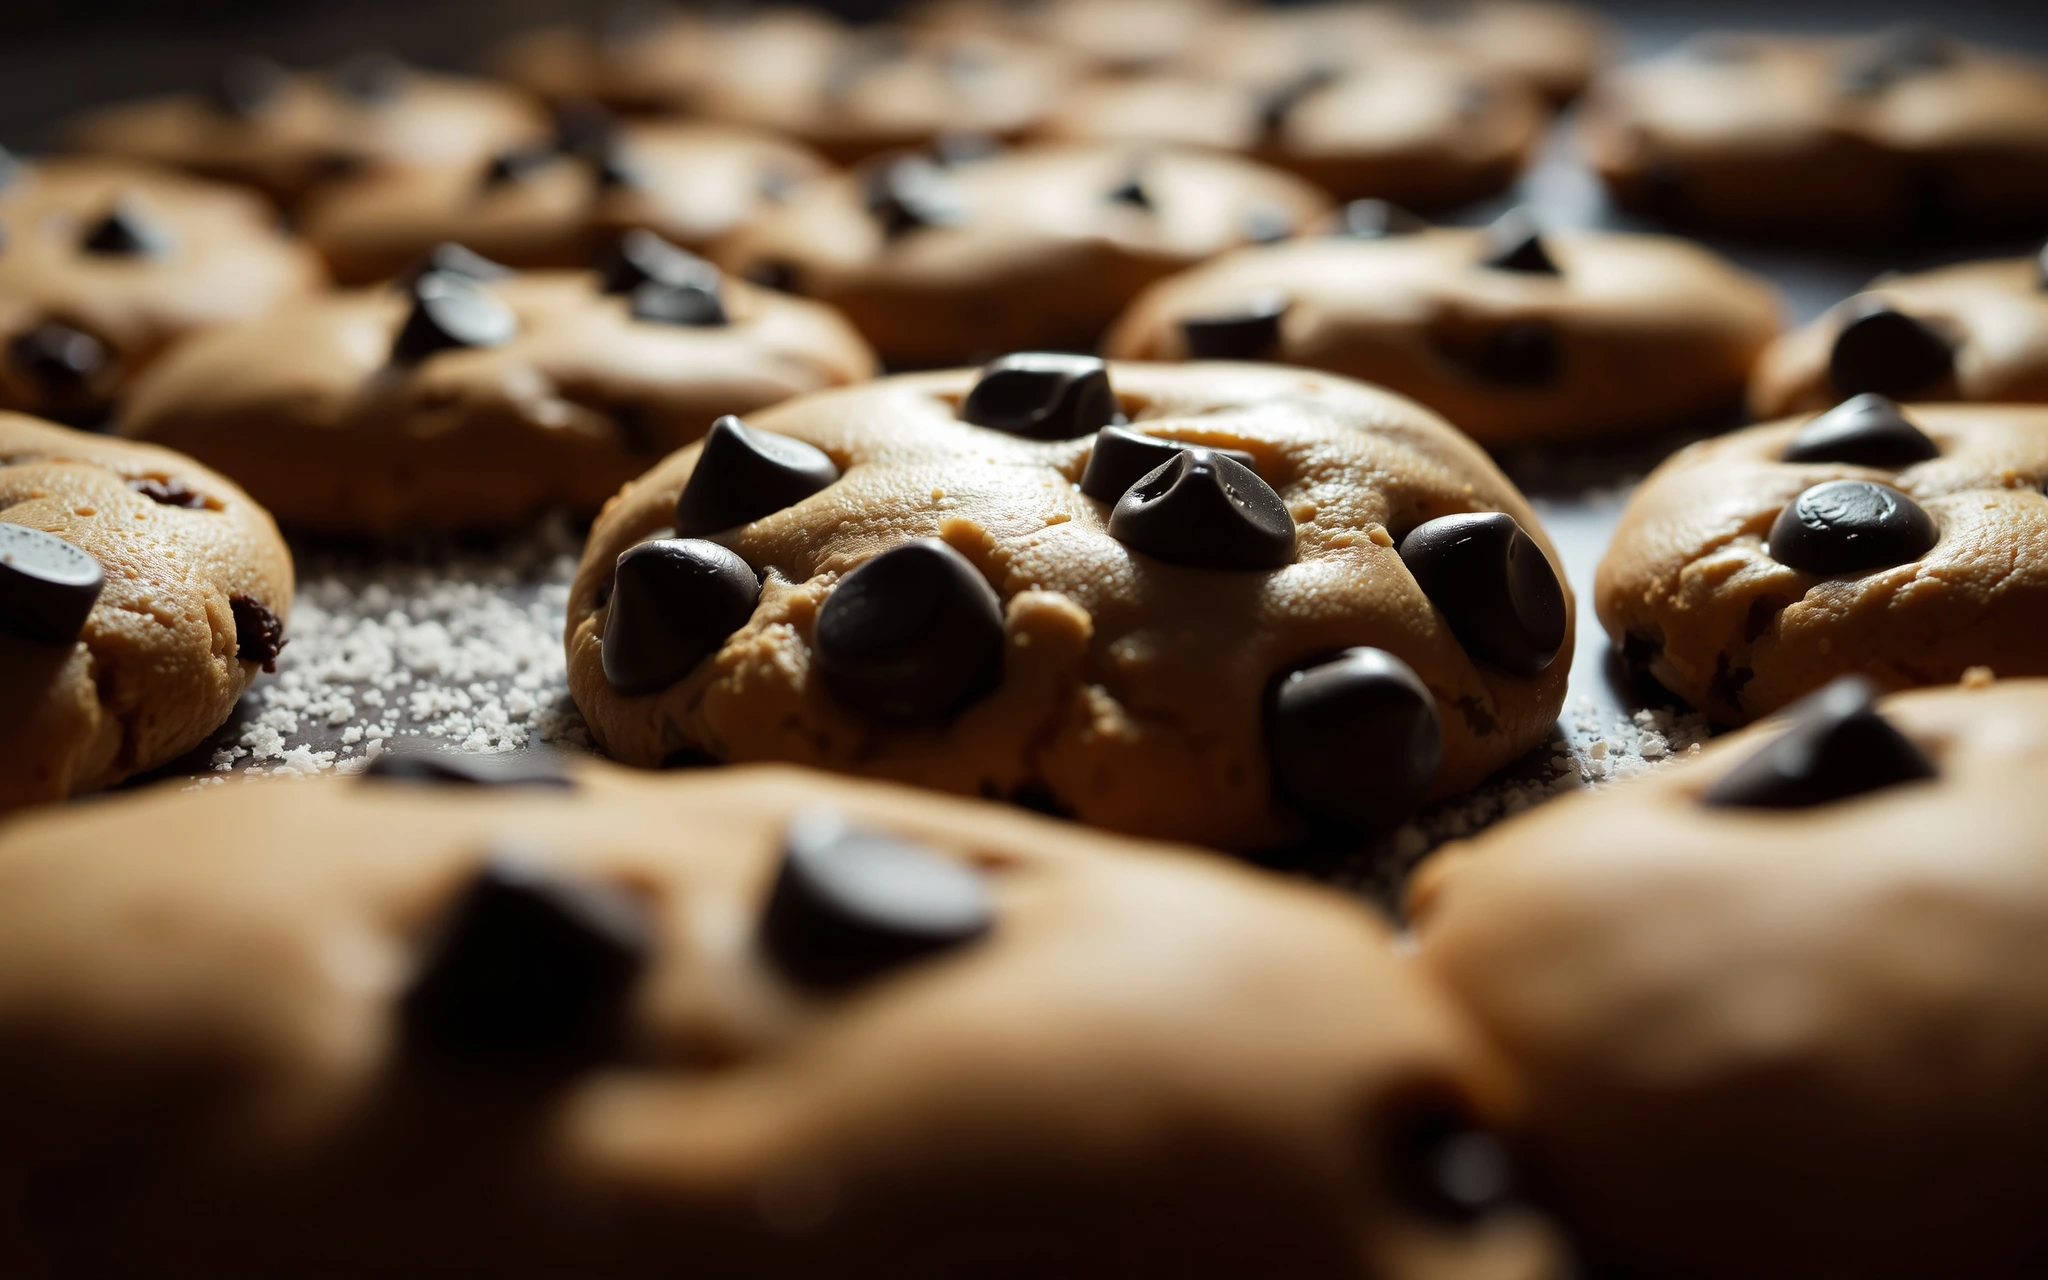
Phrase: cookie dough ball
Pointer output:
(285, 132)
(140, 595)
(1901, 131)
(1116, 35)
(1978, 331)
(103, 263)
(473, 398)
(1781, 1012)
(1258, 603)
(1907, 544)
(546, 206)
(1039, 247)
(1512, 332)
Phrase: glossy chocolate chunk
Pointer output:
(1494, 586)
(125, 231)
(1888, 352)
(1353, 740)
(61, 358)
(47, 585)
(1448, 1167)
(515, 164)
(909, 192)
(1851, 526)
(674, 602)
(1203, 510)
(1515, 243)
(1865, 431)
(915, 634)
(642, 257)
(1042, 395)
(1377, 220)
(1894, 55)
(533, 767)
(247, 87)
(851, 903)
(1131, 191)
(529, 967)
(1251, 332)
(455, 260)
(373, 77)
(743, 474)
(449, 312)
(259, 633)
(1122, 457)
(1838, 746)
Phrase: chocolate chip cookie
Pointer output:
(1513, 332)
(1223, 603)
(104, 262)
(471, 397)
(1803, 971)
(1906, 544)
(140, 595)
(941, 262)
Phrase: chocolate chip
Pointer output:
(373, 77)
(1520, 353)
(169, 493)
(453, 259)
(1889, 352)
(1042, 395)
(1377, 220)
(909, 192)
(61, 358)
(1494, 586)
(247, 87)
(47, 585)
(125, 231)
(851, 903)
(1838, 746)
(534, 767)
(743, 474)
(1895, 55)
(674, 602)
(914, 634)
(1449, 1168)
(1201, 509)
(259, 633)
(1850, 526)
(448, 312)
(1121, 457)
(1251, 332)
(642, 257)
(1131, 191)
(530, 967)
(1867, 431)
(516, 164)
(1354, 740)
(1515, 243)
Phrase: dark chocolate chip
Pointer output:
(247, 87)
(1201, 509)
(1520, 353)
(1494, 585)
(61, 358)
(909, 192)
(1889, 352)
(1894, 55)
(915, 634)
(1867, 431)
(453, 259)
(1042, 395)
(530, 967)
(169, 493)
(1354, 740)
(1275, 105)
(259, 633)
(851, 903)
(1377, 220)
(674, 602)
(1122, 457)
(1515, 243)
(516, 164)
(1251, 332)
(534, 767)
(642, 257)
(373, 77)
(1131, 191)
(743, 474)
(1267, 224)
(1838, 746)
(125, 231)
(47, 585)
(1448, 1168)
(1851, 526)
(451, 311)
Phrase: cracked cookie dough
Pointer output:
(140, 595)
(1781, 1012)
(103, 263)
(1512, 332)
(474, 398)
(754, 1023)
(989, 583)
(1903, 544)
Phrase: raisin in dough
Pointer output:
(475, 404)
(1124, 678)
(1897, 132)
(1115, 35)
(1514, 334)
(1038, 247)
(197, 587)
(1977, 331)
(105, 262)
(1788, 1041)
(1947, 500)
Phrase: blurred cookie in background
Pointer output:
(1112, 35)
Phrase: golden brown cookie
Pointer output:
(140, 594)
(1513, 333)
(975, 581)
(475, 398)
(1120, 35)
(1907, 545)
(103, 263)
(1901, 131)
(1978, 331)
(1781, 1013)
(941, 262)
